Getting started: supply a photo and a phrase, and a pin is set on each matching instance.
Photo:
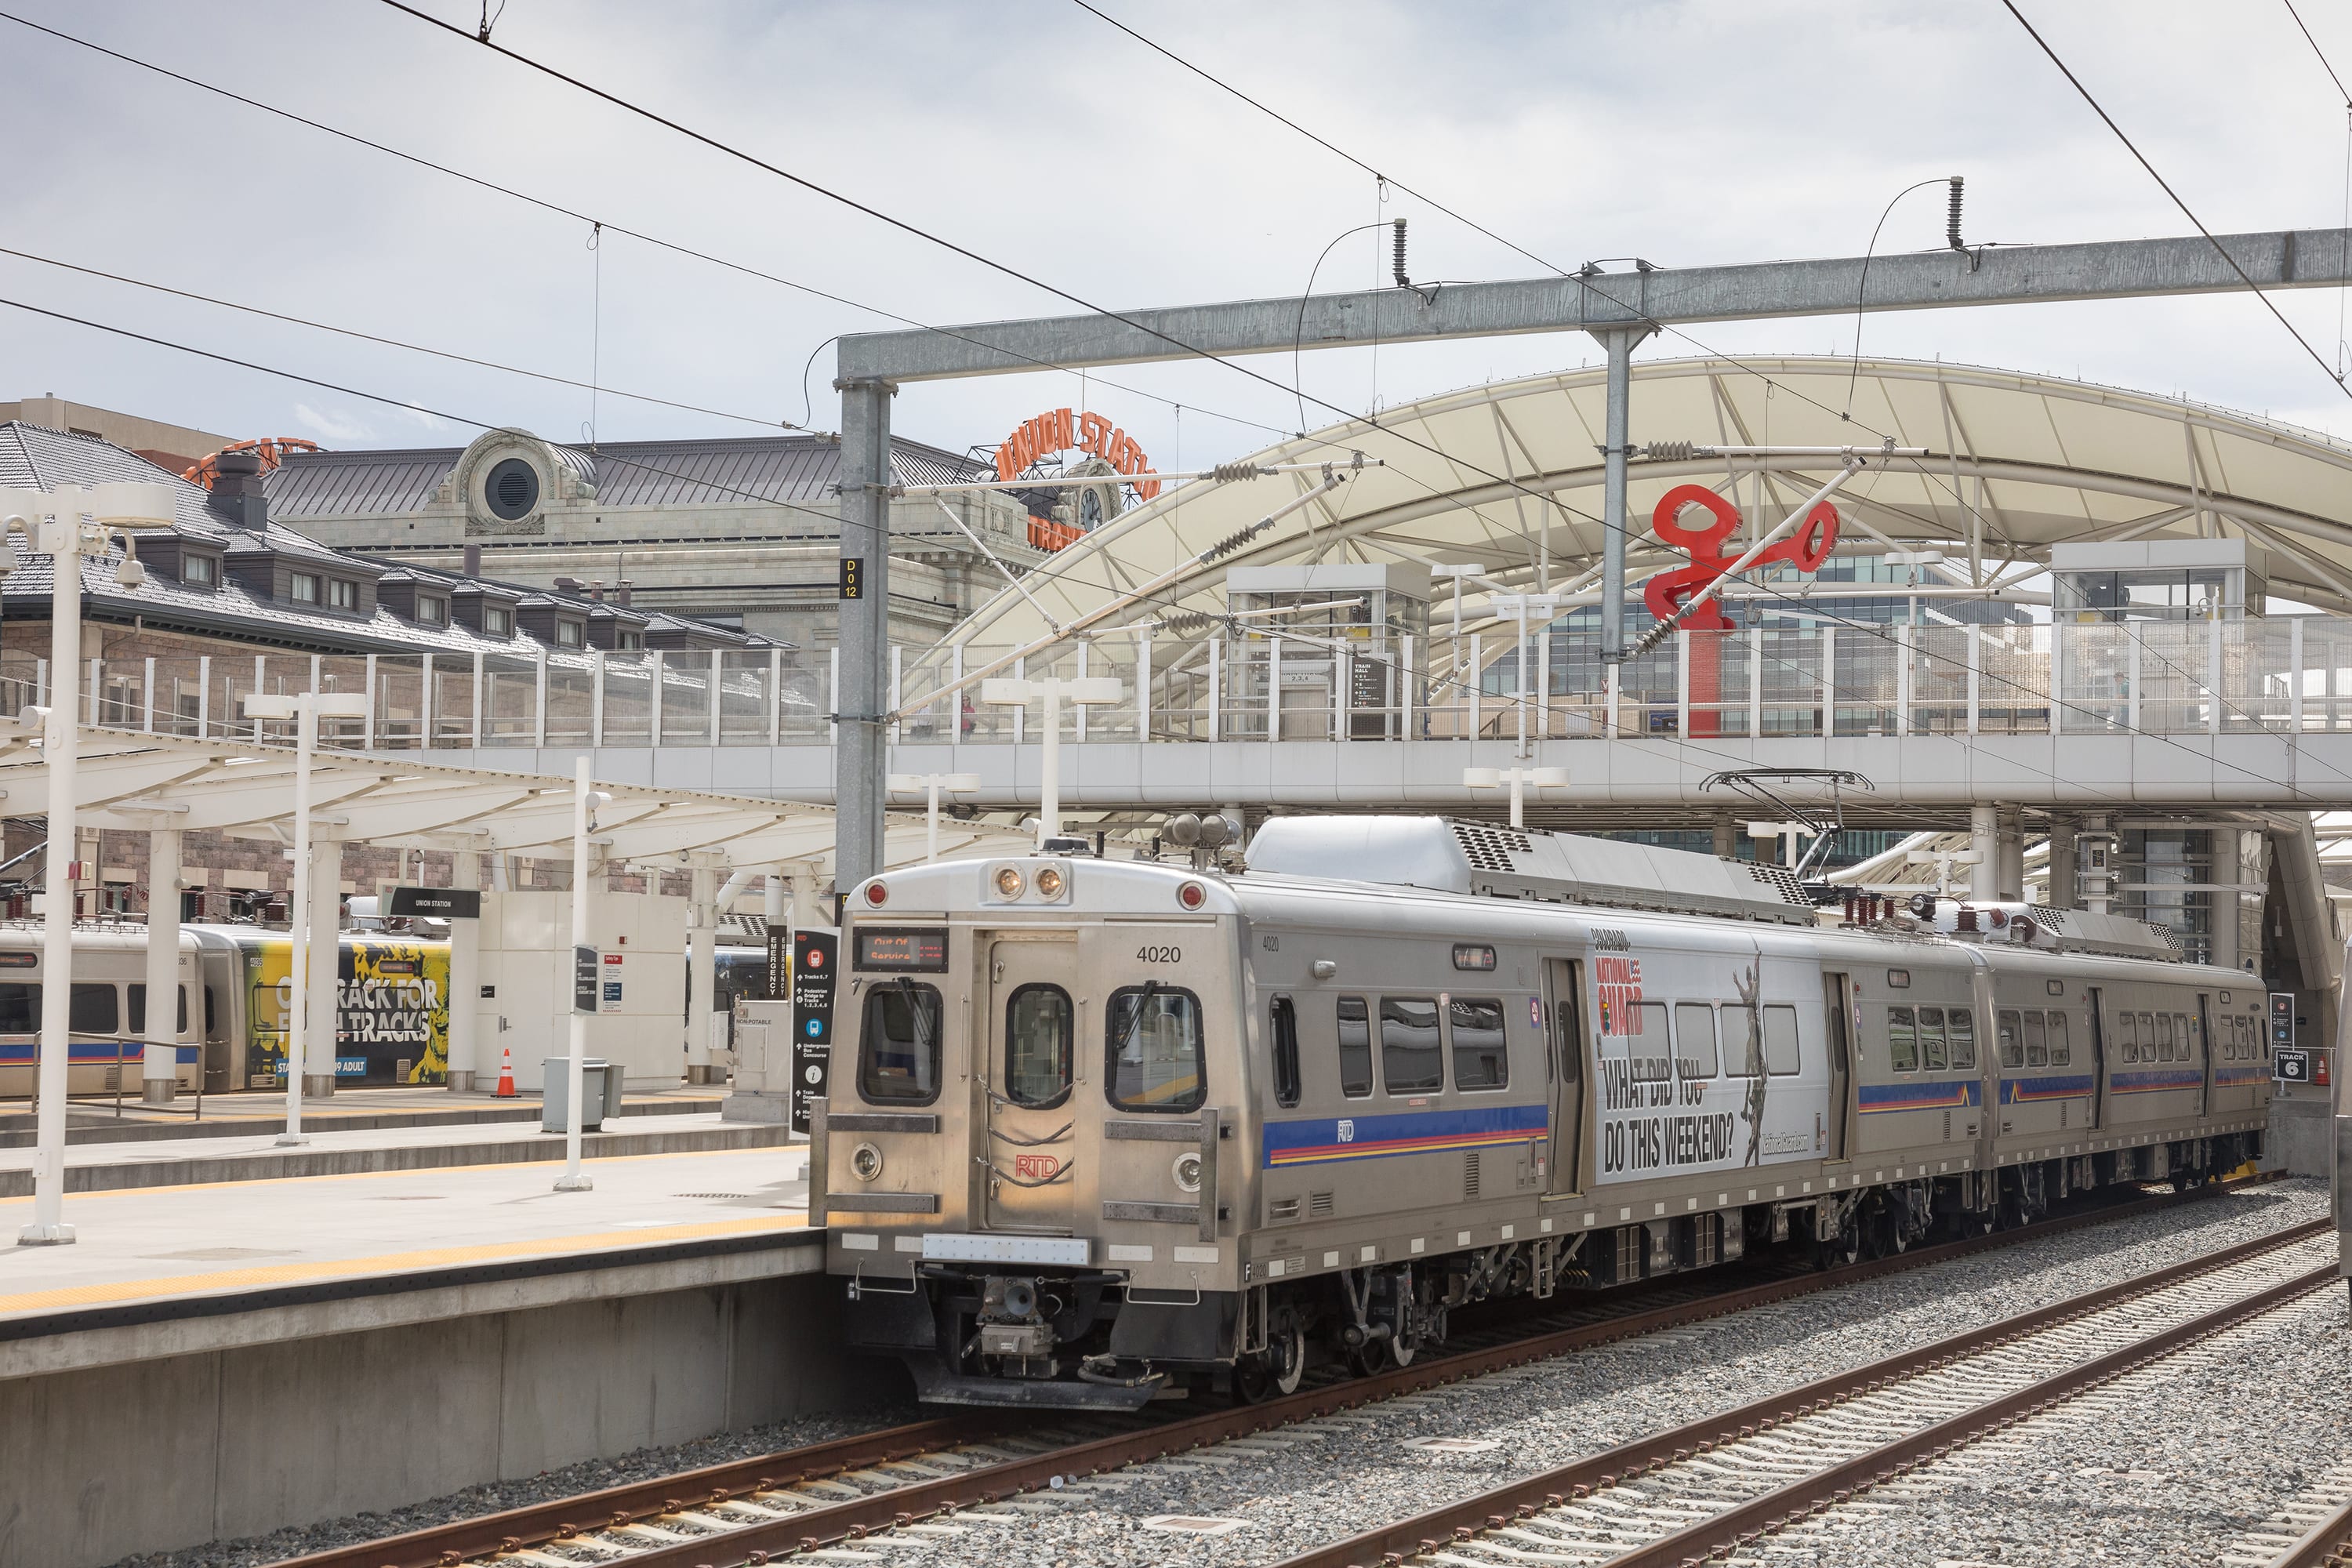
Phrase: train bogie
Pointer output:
(1098, 1129)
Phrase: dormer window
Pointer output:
(343, 594)
(432, 612)
(495, 620)
(567, 634)
(628, 642)
(303, 589)
(198, 570)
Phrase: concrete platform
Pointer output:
(250, 1154)
(217, 1360)
(246, 1111)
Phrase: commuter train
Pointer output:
(392, 1023)
(1100, 1131)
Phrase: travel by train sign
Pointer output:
(1060, 430)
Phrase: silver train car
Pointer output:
(1098, 1132)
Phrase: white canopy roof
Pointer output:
(140, 782)
(2020, 463)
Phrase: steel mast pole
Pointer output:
(861, 769)
(1619, 341)
(59, 537)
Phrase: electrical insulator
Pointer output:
(1952, 225)
(1403, 279)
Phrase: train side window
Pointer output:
(1355, 1047)
(2062, 1050)
(92, 1008)
(138, 1009)
(1695, 1042)
(1154, 1047)
(2164, 1045)
(1902, 1039)
(1743, 1041)
(1649, 1020)
(1780, 1053)
(2037, 1043)
(1961, 1025)
(2148, 1052)
(212, 1014)
(897, 1047)
(1481, 1058)
(20, 1010)
(2187, 1048)
(1932, 1055)
(1411, 1062)
(1282, 1029)
(2126, 1037)
(2011, 1040)
(1039, 1024)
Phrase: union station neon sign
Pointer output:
(1061, 430)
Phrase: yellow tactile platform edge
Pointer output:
(121, 1291)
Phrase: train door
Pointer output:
(1565, 979)
(2098, 1059)
(1839, 1104)
(2201, 1032)
(1027, 1118)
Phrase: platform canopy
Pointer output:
(1513, 486)
(139, 782)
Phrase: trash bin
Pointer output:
(600, 1093)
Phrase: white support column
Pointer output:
(1976, 671)
(1984, 839)
(1829, 683)
(1343, 676)
(1543, 681)
(481, 695)
(158, 1071)
(597, 698)
(953, 717)
(325, 988)
(538, 702)
(660, 674)
(147, 687)
(2214, 676)
(1682, 686)
(1274, 688)
(1143, 684)
(775, 695)
(41, 683)
(2058, 679)
(1473, 685)
(1902, 654)
(719, 671)
(465, 978)
(1404, 730)
(1755, 688)
(424, 705)
(2294, 676)
(91, 686)
(808, 898)
(2132, 705)
(1078, 729)
(1216, 687)
(204, 696)
(575, 1179)
(701, 974)
(1020, 719)
(368, 724)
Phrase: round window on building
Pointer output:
(512, 489)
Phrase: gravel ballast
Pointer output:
(1305, 1487)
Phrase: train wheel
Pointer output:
(1286, 1351)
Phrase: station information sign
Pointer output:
(2291, 1067)
(814, 953)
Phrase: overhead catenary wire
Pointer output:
(561, 210)
(2219, 249)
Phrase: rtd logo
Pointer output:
(1036, 1167)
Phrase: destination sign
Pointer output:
(904, 950)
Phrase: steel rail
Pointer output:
(541, 1523)
(645, 1503)
(1393, 1544)
(849, 1520)
(2327, 1544)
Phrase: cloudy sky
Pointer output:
(1035, 134)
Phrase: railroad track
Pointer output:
(2325, 1542)
(1718, 1485)
(754, 1510)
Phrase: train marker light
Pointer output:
(1009, 882)
(876, 894)
(1191, 895)
(1049, 883)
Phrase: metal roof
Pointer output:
(137, 782)
(2021, 462)
(651, 474)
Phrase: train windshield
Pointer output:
(898, 1048)
(1154, 1049)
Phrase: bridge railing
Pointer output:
(2281, 675)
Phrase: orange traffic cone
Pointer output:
(506, 1089)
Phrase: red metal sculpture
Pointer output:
(1668, 590)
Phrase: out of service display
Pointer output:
(903, 950)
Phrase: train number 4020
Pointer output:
(1160, 954)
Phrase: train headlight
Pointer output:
(1049, 883)
(1187, 1169)
(1009, 882)
(866, 1161)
